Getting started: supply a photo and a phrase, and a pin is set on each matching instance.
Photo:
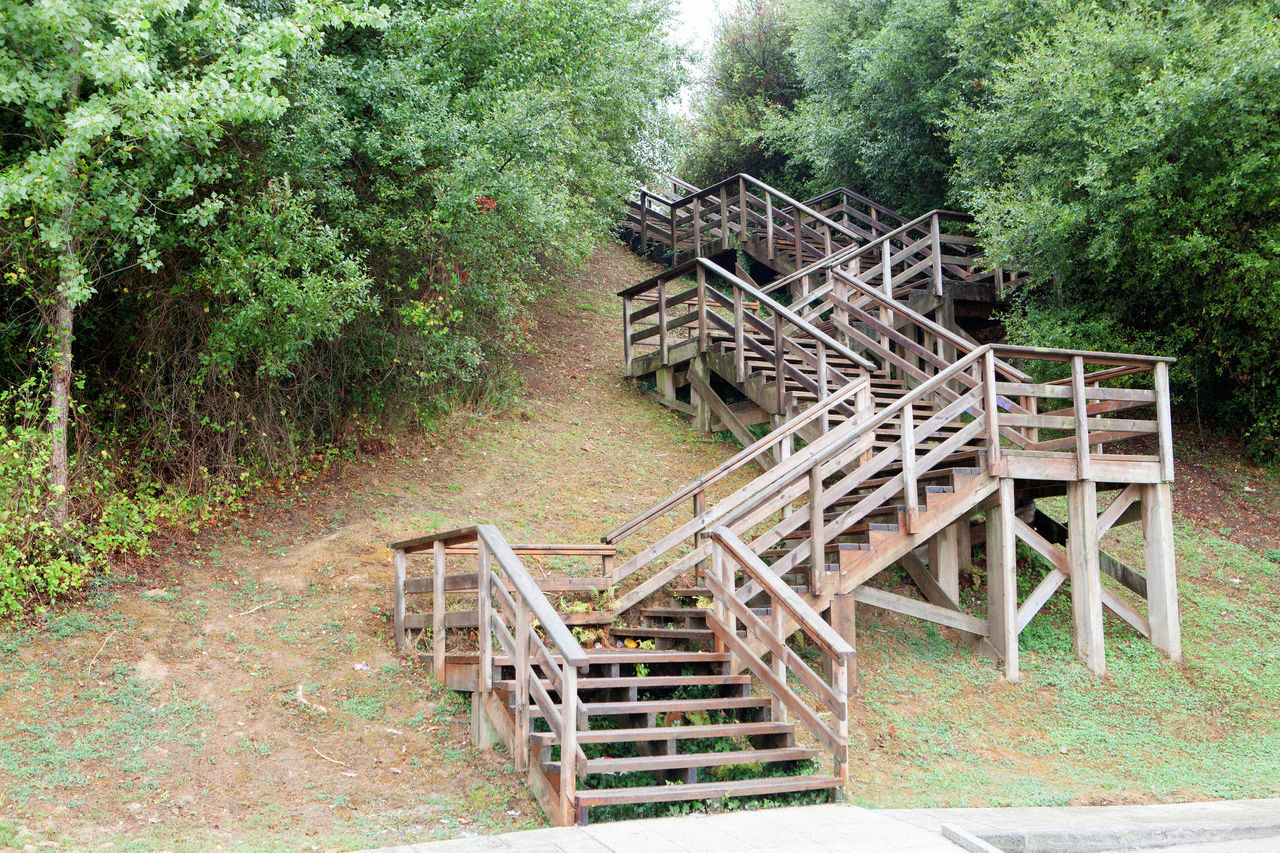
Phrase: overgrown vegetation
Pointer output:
(1123, 153)
(229, 231)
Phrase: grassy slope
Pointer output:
(162, 714)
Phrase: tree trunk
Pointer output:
(60, 395)
(61, 334)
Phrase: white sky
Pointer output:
(694, 26)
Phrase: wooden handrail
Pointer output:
(735, 462)
(798, 205)
(552, 625)
(781, 592)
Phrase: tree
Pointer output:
(112, 109)
(752, 84)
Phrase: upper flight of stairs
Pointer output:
(876, 432)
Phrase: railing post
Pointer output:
(768, 227)
(569, 745)
(644, 219)
(724, 217)
(1084, 467)
(817, 533)
(1164, 420)
(662, 322)
(886, 268)
(742, 209)
(484, 630)
(910, 498)
(397, 602)
(627, 353)
(824, 423)
(697, 227)
(438, 610)
(991, 404)
(702, 309)
(936, 235)
(779, 365)
(719, 609)
(778, 709)
(521, 662)
(739, 336)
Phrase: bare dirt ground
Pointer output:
(242, 691)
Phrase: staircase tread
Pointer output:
(660, 706)
(659, 633)
(607, 682)
(674, 732)
(707, 790)
(695, 759)
(645, 656)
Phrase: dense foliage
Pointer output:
(1125, 153)
(228, 230)
(752, 81)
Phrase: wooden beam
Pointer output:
(1086, 574)
(1056, 532)
(1002, 581)
(920, 610)
(729, 418)
(1158, 560)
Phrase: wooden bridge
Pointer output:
(830, 336)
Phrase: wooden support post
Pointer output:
(944, 559)
(824, 421)
(627, 346)
(992, 407)
(484, 579)
(569, 746)
(886, 268)
(742, 210)
(1002, 581)
(397, 602)
(1084, 569)
(701, 407)
(438, 609)
(844, 618)
(1162, 579)
(718, 607)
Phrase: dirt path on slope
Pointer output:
(247, 695)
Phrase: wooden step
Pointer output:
(690, 592)
(682, 761)
(666, 706)
(607, 683)
(645, 656)
(672, 733)
(706, 790)
(672, 612)
(660, 633)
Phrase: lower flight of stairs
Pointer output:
(671, 725)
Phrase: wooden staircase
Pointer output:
(890, 438)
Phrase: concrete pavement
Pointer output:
(1208, 827)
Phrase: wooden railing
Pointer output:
(731, 556)
(513, 610)
(855, 211)
(773, 447)
(718, 300)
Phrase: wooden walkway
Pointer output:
(880, 433)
